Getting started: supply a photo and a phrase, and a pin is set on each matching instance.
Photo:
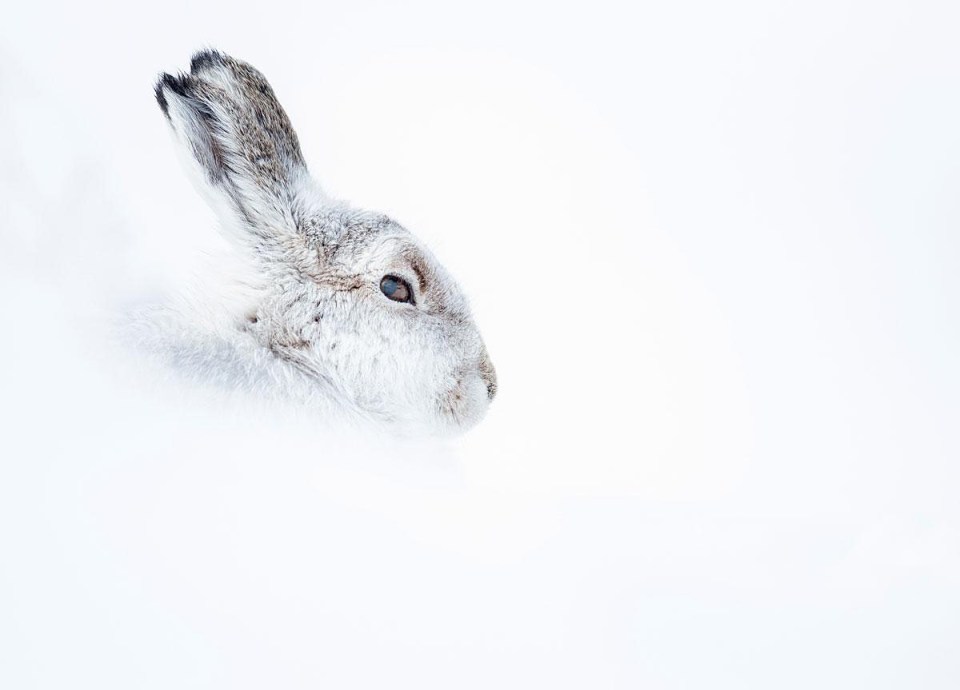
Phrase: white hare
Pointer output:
(342, 307)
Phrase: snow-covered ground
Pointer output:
(713, 249)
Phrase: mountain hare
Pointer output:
(342, 307)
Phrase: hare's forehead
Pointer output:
(361, 242)
(384, 244)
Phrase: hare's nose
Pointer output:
(489, 375)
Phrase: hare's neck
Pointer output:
(213, 350)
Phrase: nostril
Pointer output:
(489, 375)
(491, 388)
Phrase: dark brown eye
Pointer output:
(396, 289)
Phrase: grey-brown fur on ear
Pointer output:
(256, 108)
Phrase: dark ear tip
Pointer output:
(158, 94)
(203, 59)
(177, 85)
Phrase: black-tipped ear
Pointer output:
(177, 85)
(226, 118)
(204, 59)
(158, 94)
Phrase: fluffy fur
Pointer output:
(310, 321)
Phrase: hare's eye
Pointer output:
(396, 289)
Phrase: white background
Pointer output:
(713, 249)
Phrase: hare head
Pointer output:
(347, 298)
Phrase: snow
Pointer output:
(712, 250)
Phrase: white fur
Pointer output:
(300, 315)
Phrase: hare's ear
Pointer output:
(239, 140)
